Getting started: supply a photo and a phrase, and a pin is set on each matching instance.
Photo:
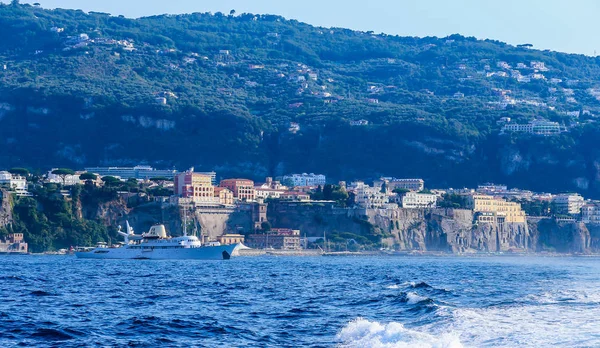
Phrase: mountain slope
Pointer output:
(259, 95)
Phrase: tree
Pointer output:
(63, 172)
(87, 176)
(265, 226)
(110, 180)
(15, 2)
(328, 192)
(401, 191)
(232, 13)
(19, 171)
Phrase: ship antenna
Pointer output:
(185, 221)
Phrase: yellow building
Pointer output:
(510, 211)
(224, 195)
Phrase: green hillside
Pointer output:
(256, 95)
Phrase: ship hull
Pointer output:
(222, 252)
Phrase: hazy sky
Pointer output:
(562, 25)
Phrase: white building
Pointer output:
(590, 213)
(305, 179)
(14, 182)
(568, 203)
(137, 172)
(369, 197)
(539, 127)
(68, 180)
(412, 200)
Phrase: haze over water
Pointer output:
(291, 302)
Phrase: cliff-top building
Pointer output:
(493, 209)
(243, 189)
(196, 186)
(413, 200)
(137, 172)
(568, 203)
(304, 179)
(407, 184)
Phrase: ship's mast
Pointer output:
(184, 221)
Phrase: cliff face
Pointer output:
(573, 237)
(6, 204)
(451, 230)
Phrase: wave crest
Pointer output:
(365, 333)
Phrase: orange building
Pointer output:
(243, 189)
(196, 186)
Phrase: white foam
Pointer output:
(393, 287)
(538, 325)
(414, 298)
(365, 333)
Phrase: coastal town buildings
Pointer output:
(590, 213)
(270, 189)
(369, 197)
(494, 209)
(243, 189)
(537, 127)
(304, 179)
(407, 184)
(277, 238)
(569, 203)
(12, 181)
(230, 238)
(224, 195)
(196, 186)
(412, 200)
(66, 180)
(137, 172)
(295, 196)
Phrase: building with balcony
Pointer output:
(369, 197)
(489, 209)
(537, 127)
(568, 203)
(413, 200)
(590, 213)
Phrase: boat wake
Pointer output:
(365, 333)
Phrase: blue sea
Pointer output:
(60, 301)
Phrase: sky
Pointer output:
(562, 25)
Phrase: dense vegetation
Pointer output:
(81, 89)
(53, 221)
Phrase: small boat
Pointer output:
(157, 245)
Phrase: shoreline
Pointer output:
(315, 252)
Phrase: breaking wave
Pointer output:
(365, 333)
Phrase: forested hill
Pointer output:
(256, 95)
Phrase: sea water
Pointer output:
(60, 301)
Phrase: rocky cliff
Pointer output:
(448, 230)
(6, 205)
(452, 230)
